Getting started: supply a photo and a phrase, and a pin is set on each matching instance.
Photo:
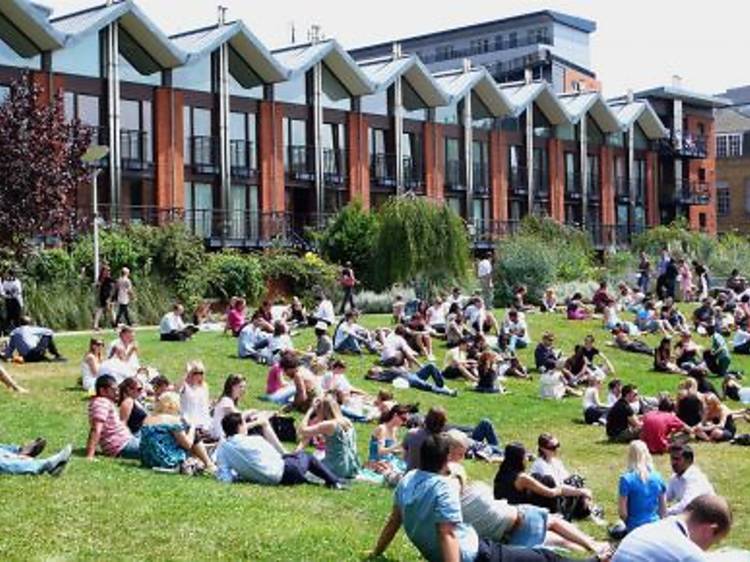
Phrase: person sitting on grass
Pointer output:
(514, 327)
(594, 411)
(306, 384)
(262, 318)
(339, 435)
(642, 492)
(497, 520)
(649, 322)
(323, 343)
(663, 360)
(418, 337)
(457, 365)
(516, 486)
(660, 427)
(429, 509)
(10, 382)
(704, 315)
(385, 446)
(279, 342)
(107, 430)
(623, 341)
(602, 298)
(741, 339)
(125, 350)
(251, 341)
(91, 363)
(575, 309)
(717, 358)
(246, 457)
(167, 443)
(687, 352)
(487, 374)
(684, 538)
(350, 337)
(323, 311)
(623, 425)
(549, 301)
(396, 351)
(688, 481)
(258, 421)
(436, 316)
(546, 357)
(194, 398)
(132, 411)
(592, 353)
(18, 460)
(718, 423)
(419, 380)
(236, 315)
(173, 328)
(31, 343)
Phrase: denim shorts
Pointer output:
(533, 528)
(132, 449)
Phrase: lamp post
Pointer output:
(91, 157)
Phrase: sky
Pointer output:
(637, 44)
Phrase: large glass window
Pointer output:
(448, 114)
(242, 142)
(128, 73)
(376, 104)
(292, 91)
(200, 145)
(199, 204)
(334, 94)
(82, 58)
(8, 57)
(481, 165)
(194, 76)
(541, 171)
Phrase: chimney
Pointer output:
(396, 51)
(314, 35)
(467, 64)
(222, 15)
(528, 75)
(630, 95)
(677, 81)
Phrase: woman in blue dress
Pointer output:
(166, 442)
(385, 445)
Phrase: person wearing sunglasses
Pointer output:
(132, 411)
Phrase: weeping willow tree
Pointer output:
(420, 242)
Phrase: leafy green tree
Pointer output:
(352, 236)
(420, 241)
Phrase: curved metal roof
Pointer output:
(458, 83)
(540, 93)
(579, 104)
(383, 72)
(24, 27)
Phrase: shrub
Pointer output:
(229, 273)
(53, 265)
(523, 260)
(352, 237)
(301, 276)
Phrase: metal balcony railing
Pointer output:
(573, 186)
(517, 181)
(299, 162)
(334, 167)
(204, 154)
(692, 192)
(487, 231)
(493, 46)
(243, 159)
(135, 150)
(455, 175)
(687, 145)
(413, 171)
(383, 169)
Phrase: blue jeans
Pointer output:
(517, 342)
(420, 380)
(131, 450)
(350, 344)
(11, 463)
(485, 432)
(281, 396)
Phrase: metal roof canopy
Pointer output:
(426, 91)
(540, 93)
(298, 59)
(678, 92)
(641, 112)
(250, 62)
(148, 38)
(458, 83)
(580, 103)
(24, 27)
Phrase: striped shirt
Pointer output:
(115, 434)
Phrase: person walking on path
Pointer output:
(484, 274)
(12, 291)
(347, 282)
(125, 295)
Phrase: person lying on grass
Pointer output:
(22, 459)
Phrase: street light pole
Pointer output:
(92, 156)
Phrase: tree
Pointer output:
(352, 236)
(421, 241)
(40, 166)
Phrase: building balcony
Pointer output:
(493, 47)
(455, 175)
(518, 184)
(481, 178)
(243, 159)
(135, 150)
(595, 189)
(485, 232)
(691, 192)
(299, 162)
(383, 170)
(541, 184)
(612, 235)
(687, 145)
(204, 155)
(334, 167)
(413, 171)
(622, 188)
(573, 186)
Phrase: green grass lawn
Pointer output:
(114, 510)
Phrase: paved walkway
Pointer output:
(104, 331)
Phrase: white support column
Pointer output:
(584, 158)
(224, 151)
(530, 155)
(113, 117)
(318, 141)
(398, 131)
(469, 157)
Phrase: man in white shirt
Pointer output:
(124, 293)
(741, 341)
(688, 481)
(514, 327)
(682, 538)
(324, 312)
(484, 274)
(349, 337)
(396, 351)
(173, 328)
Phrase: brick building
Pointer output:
(248, 145)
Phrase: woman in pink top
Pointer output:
(686, 281)
(236, 315)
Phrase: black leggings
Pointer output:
(296, 465)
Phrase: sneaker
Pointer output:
(59, 461)
(34, 448)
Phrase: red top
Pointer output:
(657, 427)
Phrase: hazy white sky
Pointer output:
(638, 44)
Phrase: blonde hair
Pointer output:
(168, 403)
(713, 403)
(330, 410)
(195, 365)
(639, 459)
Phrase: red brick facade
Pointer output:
(434, 161)
(359, 169)
(498, 176)
(271, 158)
(556, 179)
(168, 148)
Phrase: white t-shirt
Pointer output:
(117, 369)
(325, 311)
(343, 330)
(474, 314)
(171, 322)
(117, 348)
(663, 541)
(11, 289)
(392, 345)
(223, 407)
(454, 355)
(551, 385)
(484, 268)
(590, 398)
(124, 286)
(194, 405)
(436, 315)
(519, 326)
(741, 337)
(329, 381)
(553, 467)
